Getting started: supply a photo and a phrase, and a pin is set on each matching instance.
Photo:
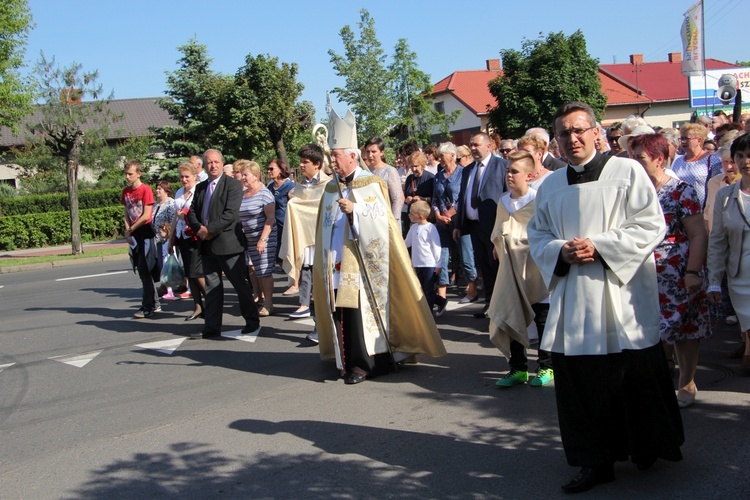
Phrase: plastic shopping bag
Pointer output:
(172, 274)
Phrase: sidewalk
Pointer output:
(61, 250)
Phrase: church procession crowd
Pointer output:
(619, 244)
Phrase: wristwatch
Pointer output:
(264, 240)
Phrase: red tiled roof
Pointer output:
(469, 87)
(619, 93)
(660, 81)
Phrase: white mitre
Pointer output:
(342, 132)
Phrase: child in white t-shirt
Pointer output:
(424, 241)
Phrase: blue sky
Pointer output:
(134, 42)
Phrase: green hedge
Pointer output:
(45, 203)
(39, 230)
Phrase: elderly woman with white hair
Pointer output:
(444, 199)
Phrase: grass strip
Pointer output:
(40, 259)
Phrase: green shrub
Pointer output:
(53, 228)
(46, 203)
(7, 191)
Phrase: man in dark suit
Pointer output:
(550, 162)
(214, 218)
(482, 184)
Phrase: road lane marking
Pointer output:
(77, 360)
(7, 365)
(91, 276)
(237, 335)
(163, 346)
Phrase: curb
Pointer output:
(62, 263)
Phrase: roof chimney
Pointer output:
(675, 57)
(493, 65)
(636, 58)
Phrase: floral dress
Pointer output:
(683, 316)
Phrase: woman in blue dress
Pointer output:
(280, 186)
(257, 214)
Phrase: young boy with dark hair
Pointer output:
(298, 238)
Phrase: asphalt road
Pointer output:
(94, 404)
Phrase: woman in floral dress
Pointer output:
(679, 263)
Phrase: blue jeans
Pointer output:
(445, 275)
(467, 258)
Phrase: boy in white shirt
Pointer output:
(424, 241)
(524, 295)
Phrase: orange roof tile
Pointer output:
(469, 87)
(618, 92)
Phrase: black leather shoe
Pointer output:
(194, 316)
(644, 463)
(482, 314)
(251, 330)
(588, 477)
(355, 378)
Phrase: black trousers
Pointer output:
(148, 271)
(236, 271)
(427, 279)
(486, 264)
(518, 359)
(616, 406)
(348, 323)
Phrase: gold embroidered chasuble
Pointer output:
(299, 225)
(409, 323)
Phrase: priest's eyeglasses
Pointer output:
(578, 132)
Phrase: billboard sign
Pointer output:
(704, 93)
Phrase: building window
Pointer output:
(440, 107)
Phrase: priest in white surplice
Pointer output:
(596, 225)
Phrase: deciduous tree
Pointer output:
(546, 73)
(65, 120)
(367, 79)
(15, 95)
(409, 88)
(266, 103)
(194, 91)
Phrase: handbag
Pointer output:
(172, 274)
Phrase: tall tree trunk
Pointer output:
(278, 146)
(72, 170)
